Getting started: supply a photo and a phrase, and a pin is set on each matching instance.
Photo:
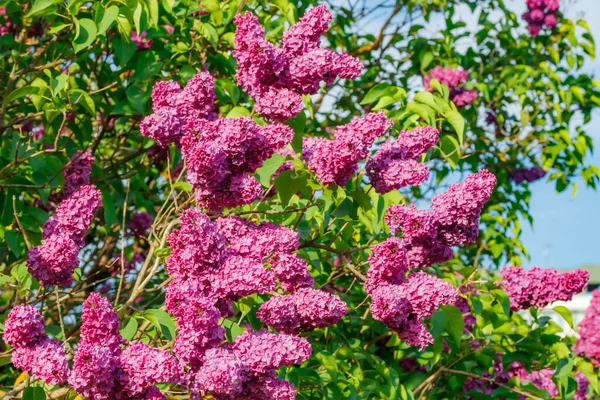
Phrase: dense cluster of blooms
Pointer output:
(403, 307)
(335, 161)
(102, 369)
(588, 342)
(77, 173)
(175, 107)
(541, 13)
(221, 154)
(304, 310)
(402, 302)
(277, 77)
(53, 261)
(33, 351)
(139, 224)
(454, 78)
(520, 175)
(542, 379)
(453, 220)
(540, 287)
(215, 263)
(395, 164)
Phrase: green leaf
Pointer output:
(210, 33)
(451, 150)
(237, 112)
(34, 393)
(123, 50)
(268, 169)
(458, 123)
(565, 313)
(287, 184)
(426, 59)
(130, 328)
(162, 321)
(13, 242)
(329, 363)
(110, 16)
(375, 93)
(23, 91)
(110, 213)
(152, 6)
(184, 186)
(78, 96)
(87, 34)
(137, 98)
(39, 5)
(245, 305)
(456, 323)
(232, 330)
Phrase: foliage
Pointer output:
(72, 69)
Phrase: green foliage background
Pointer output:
(88, 85)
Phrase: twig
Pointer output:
(19, 223)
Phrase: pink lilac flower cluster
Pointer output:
(6, 26)
(539, 287)
(541, 13)
(221, 154)
(102, 369)
(215, 263)
(277, 77)
(543, 380)
(139, 224)
(140, 40)
(77, 173)
(53, 261)
(335, 161)
(402, 307)
(453, 78)
(520, 175)
(395, 164)
(588, 342)
(33, 351)
(245, 369)
(401, 299)
(174, 107)
(453, 220)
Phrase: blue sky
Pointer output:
(566, 232)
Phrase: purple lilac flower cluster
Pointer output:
(174, 107)
(33, 351)
(402, 307)
(221, 154)
(588, 342)
(543, 380)
(453, 220)
(520, 175)
(335, 161)
(277, 77)
(395, 164)
(541, 13)
(103, 370)
(401, 299)
(539, 287)
(77, 173)
(215, 263)
(53, 261)
(140, 40)
(454, 78)
(139, 224)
